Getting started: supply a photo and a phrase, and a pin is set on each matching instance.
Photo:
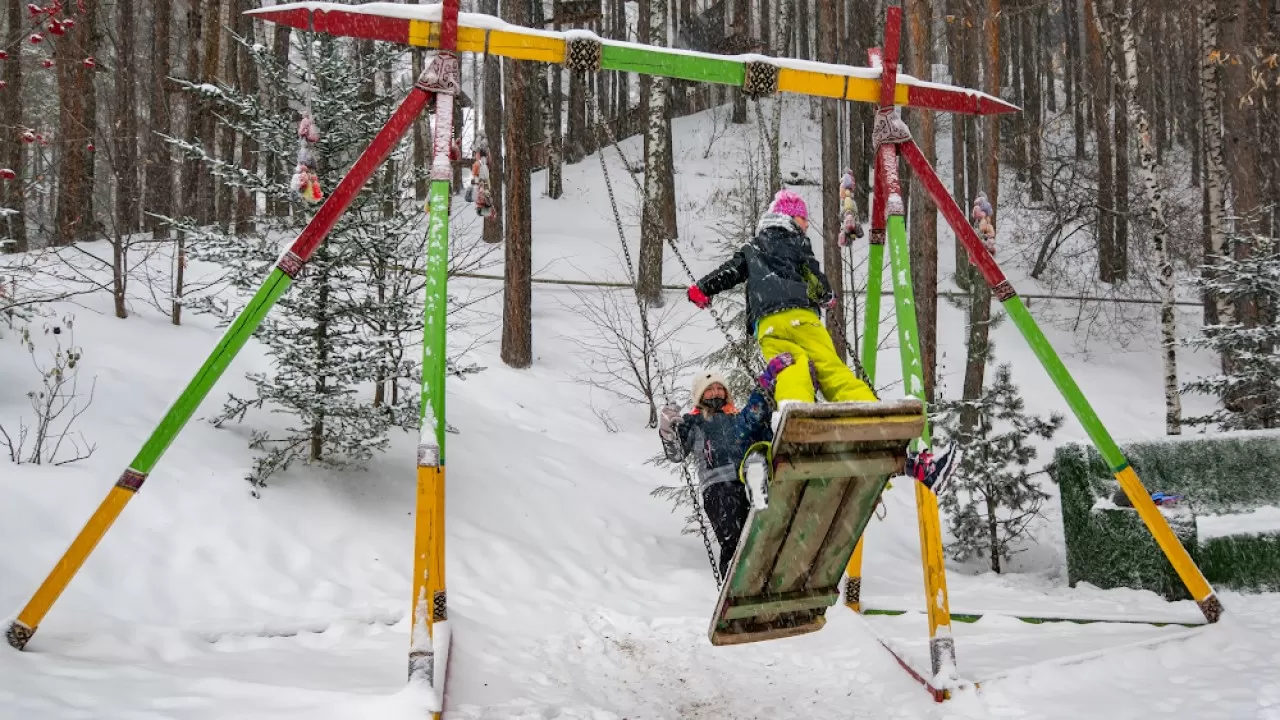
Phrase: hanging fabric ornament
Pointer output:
(850, 228)
(981, 214)
(305, 182)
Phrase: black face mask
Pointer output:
(715, 404)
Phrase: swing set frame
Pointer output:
(439, 27)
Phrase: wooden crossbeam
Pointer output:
(418, 26)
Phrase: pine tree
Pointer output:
(1252, 379)
(343, 324)
(993, 497)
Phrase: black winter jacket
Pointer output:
(779, 268)
(720, 440)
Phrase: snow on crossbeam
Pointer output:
(418, 25)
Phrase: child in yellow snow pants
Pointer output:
(800, 331)
(785, 291)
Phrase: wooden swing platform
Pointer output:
(831, 461)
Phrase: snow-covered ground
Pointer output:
(572, 593)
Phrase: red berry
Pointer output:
(46, 63)
(69, 23)
(90, 63)
(7, 174)
(36, 38)
(28, 137)
(89, 147)
(56, 28)
(4, 55)
(3, 84)
(34, 9)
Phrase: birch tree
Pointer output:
(656, 182)
(1127, 64)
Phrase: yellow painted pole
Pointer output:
(72, 560)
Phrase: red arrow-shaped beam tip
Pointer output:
(988, 105)
(959, 100)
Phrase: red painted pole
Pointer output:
(889, 56)
(337, 203)
(978, 254)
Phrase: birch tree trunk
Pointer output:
(741, 29)
(784, 23)
(1127, 62)
(656, 183)
(555, 136)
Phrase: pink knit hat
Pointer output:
(789, 203)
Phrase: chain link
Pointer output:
(644, 325)
(752, 368)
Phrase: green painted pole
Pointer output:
(289, 265)
(434, 350)
(942, 651)
(429, 648)
(871, 333)
(908, 333)
(1129, 481)
(1066, 384)
(228, 347)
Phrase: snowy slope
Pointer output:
(572, 593)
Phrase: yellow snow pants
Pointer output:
(800, 332)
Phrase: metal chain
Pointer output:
(644, 324)
(631, 269)
(752, 368)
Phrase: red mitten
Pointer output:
(699, 298)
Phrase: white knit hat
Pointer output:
(704, 379)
